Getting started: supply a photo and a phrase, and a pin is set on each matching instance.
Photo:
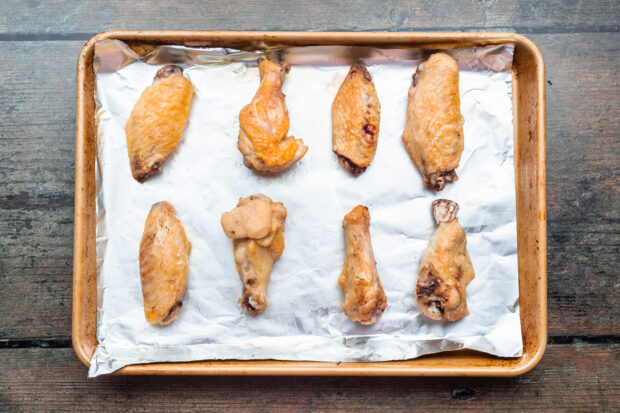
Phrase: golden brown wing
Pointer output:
(157, 121)
(256, 227)
(433, 133)
(446, 268)
(364, 298)
(356, 114)
(264, 125)
(164, 258)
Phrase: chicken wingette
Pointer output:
(433, 132)
(157, 121)
(164, 259)
(356, 114)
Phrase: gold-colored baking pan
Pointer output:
(529, 146)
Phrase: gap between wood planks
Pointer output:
(66, 342)
(564, 29)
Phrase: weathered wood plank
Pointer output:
(36, 198)
(37, 135)
(46, 19)
(583, 190)
(569, 378)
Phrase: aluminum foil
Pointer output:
(206, 177)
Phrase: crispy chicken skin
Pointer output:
(433, 133)
(264, 124)
(356, 113)
(256, 227)
(364, 299)
(157, 121)
(446, 268)
(164, 257)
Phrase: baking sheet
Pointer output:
(206, 176)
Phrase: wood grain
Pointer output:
(53, 19)
(37, 117)
(583, 190)
(36, 200)
(575, 378)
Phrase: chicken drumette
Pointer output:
(446, 268)
(433, 133)
(356, 113)
(157, 121)
(256, 227)
(364, 299)
(264, 124)
(164, 257)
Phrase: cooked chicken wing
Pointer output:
(157, 121)
(356, 113)
(364, 299)
(264, 125)
(433, 133)
(256, 227)
(164, 257)
(446, 268)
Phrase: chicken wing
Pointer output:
(157, 121)
(256, 227)
(164, 257)
(356, 113)
(446, 268)
(264, 124)
(433, 133)
(364, 299)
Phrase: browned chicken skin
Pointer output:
(164, 257)
(433, 133)
(256, 227)
(364, 299)
(356, 114)
(157, 121)
(264, 124)
(446, 268)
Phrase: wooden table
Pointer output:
(39, 43)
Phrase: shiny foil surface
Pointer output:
(206, 176)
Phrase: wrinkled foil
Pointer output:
(206, 177)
